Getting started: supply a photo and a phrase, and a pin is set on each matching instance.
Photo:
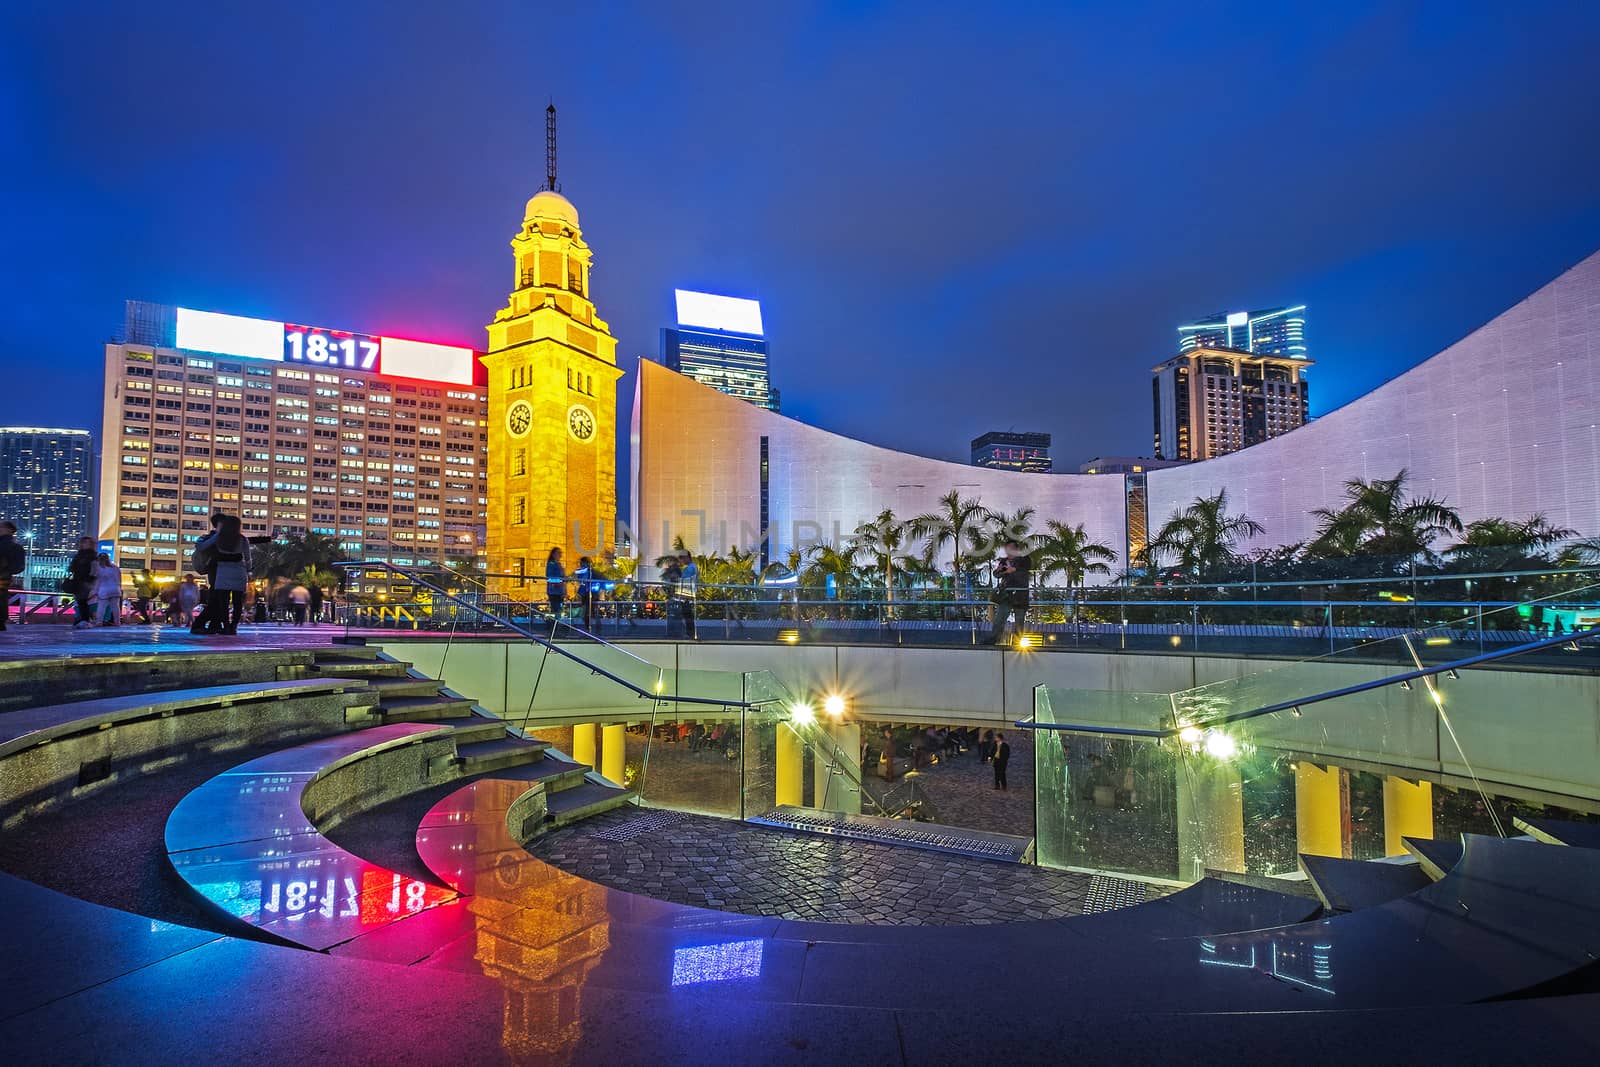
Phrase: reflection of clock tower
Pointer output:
(552, 402)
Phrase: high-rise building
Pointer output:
(719, 342)
(1212, 401)
(47, 485)
(1273, 332)
(552, 366)
(1005, 450)
(377, 441)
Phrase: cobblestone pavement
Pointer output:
(962, 790)
(718, 863)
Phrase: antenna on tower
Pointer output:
(550, 148)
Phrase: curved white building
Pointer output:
(1506, 422)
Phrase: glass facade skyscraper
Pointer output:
(1273, 332)
(47, 485)
(718, 341)
(1005, 450)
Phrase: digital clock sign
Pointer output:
(281, 342)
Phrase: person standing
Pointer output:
(584, 577)
(299, 603)
(201, 559)
(1002, 756)
(13, 558)
(671, 575)
(1013, 573)
(688, 591)
(555, 582)
(80, 582)
(107, 590)
(230, 573)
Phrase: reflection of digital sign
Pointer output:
(235, 335)
(717, 963)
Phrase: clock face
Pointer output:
(580, 422)
(519, 417)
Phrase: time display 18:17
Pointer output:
(325, 347)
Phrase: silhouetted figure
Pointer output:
(1002, 756)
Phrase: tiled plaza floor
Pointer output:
(720, 863)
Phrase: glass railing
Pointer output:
(1334, 756)
(718, 742)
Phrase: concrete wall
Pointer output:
(1525, 732)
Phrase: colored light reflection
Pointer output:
(726, 962)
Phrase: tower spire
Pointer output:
(550, 148)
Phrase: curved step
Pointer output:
(1350, 885)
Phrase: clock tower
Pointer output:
(552, 402)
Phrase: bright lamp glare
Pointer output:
(1190, 735)
(803, 714)
(834, 705)
(1220, 746)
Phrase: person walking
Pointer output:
(1012, 573)
(555, 582)
(106, 594)
(1002, 756)
(13, 558)
(230, 573)
(188, 599)
(80, 582)
(299, 604)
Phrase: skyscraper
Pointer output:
(376, 441)
(1273, 332)
(1212, 401)
(719, 342)
(47, 485)
(1004, 450)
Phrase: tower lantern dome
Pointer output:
(549, 205)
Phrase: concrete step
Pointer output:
(478, 757)
(1434, 856)
(568, 806)
(405, 687)
(1350, 885)
(423, 708)
(373, 669)
(482, 730)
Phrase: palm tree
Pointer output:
(957, 522)
(294, 552)
(886, 541)
(1379, 518)
(1000, 528)
(1201, 536)
(1068, 551)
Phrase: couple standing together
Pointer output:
(223, 556)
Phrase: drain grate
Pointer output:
(1109, 894)
(642, 823)
(896, 832)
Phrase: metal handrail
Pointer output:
(1332, 694)
(550, 644)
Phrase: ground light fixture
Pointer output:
(834, 705)
(802, 714)
(1190, 735)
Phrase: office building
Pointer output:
(1273, 332)
(719, 342)
(377, 441)
(1213, 401)
(1006, 451)
(47, 485)
(1125, 465)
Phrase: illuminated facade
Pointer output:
(1273, 332)
(376, 441)
(47, 485)
(1212, 401)
(1004, 451)
(552, 374)
(719, 341)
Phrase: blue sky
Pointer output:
(958, 217)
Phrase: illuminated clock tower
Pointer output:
(552, 402)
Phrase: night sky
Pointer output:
(958, 217)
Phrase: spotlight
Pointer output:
(1190, 735)
(802, 715)
(1220, 746)
(834, 705)
(1024, 643)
